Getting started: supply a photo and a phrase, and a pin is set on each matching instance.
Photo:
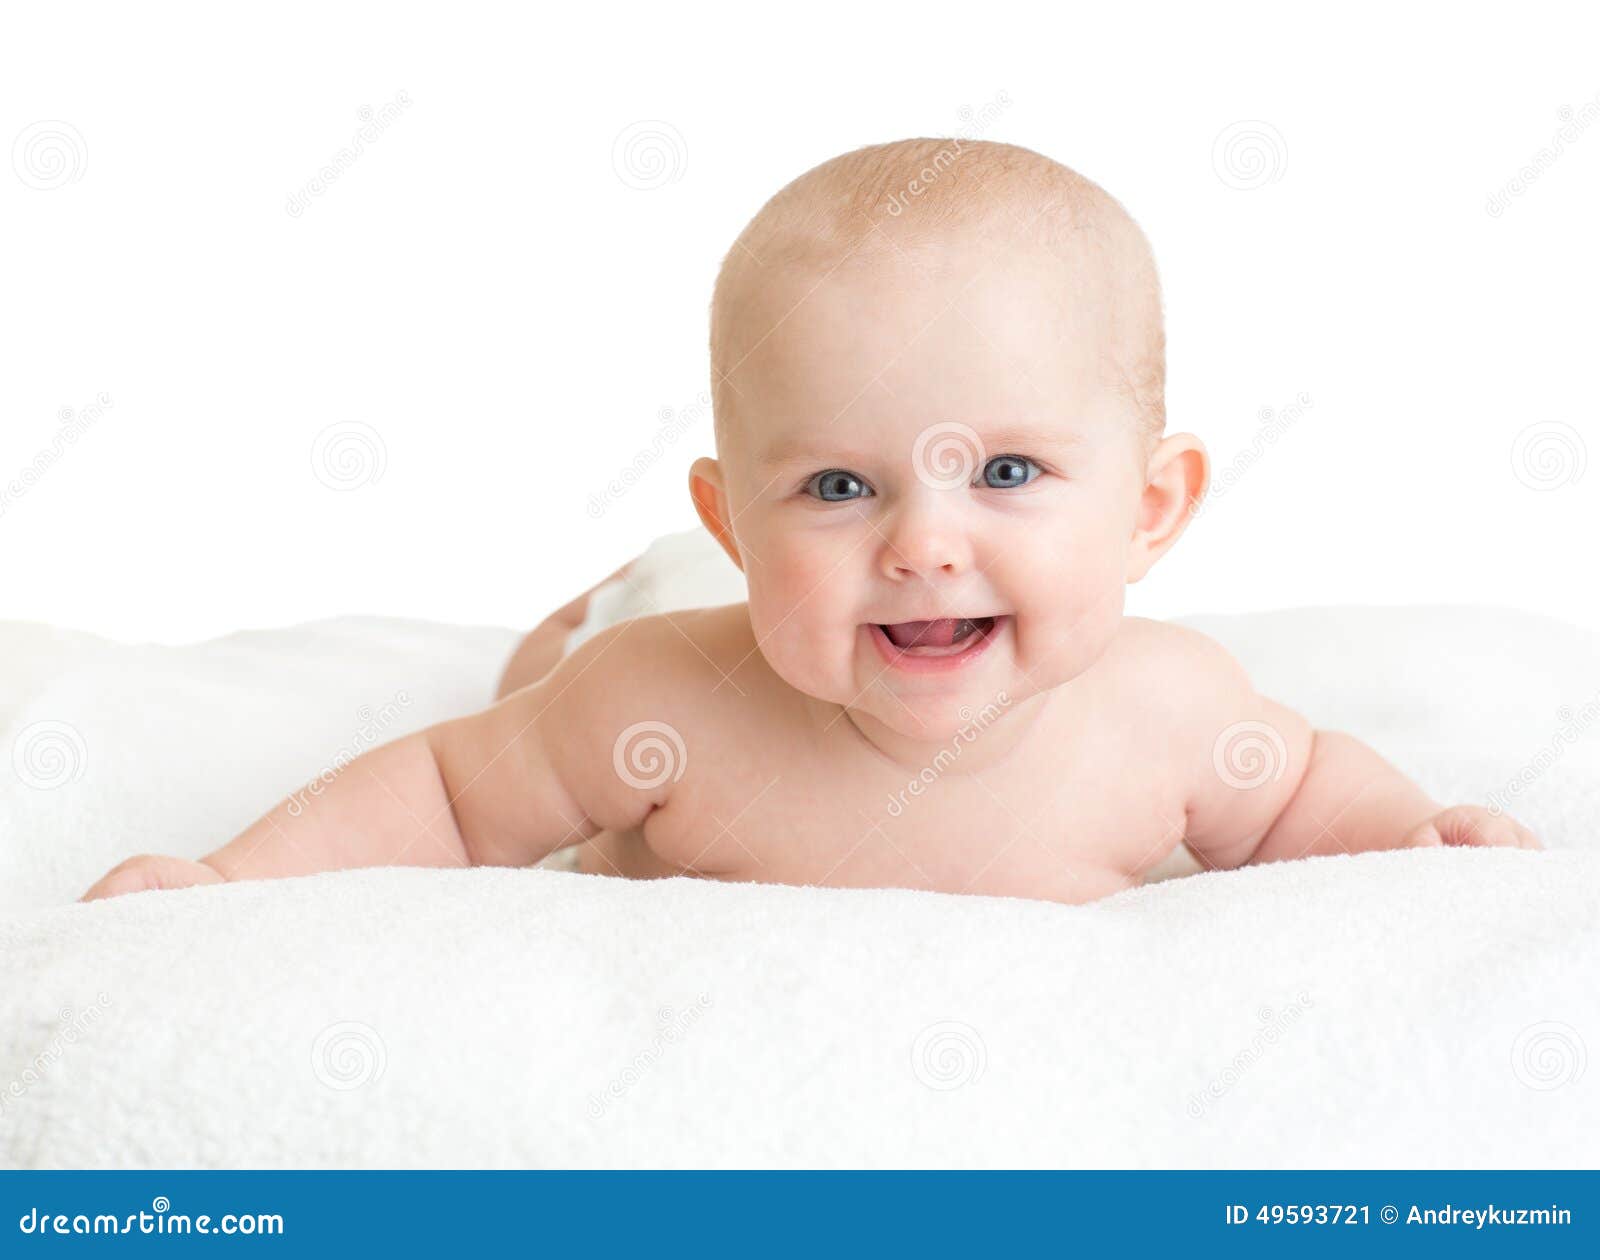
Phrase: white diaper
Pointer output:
(687, 570)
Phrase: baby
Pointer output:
(938, 372)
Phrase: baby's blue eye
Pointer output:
(1005, 472)
(837, 486)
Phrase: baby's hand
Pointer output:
(1470, 825)
(147, 872)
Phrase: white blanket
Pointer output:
(1432, 1008)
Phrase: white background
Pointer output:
(491, 291)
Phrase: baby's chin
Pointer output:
(929, 697)
(936, 721)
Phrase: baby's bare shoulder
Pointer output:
(643, 710)
(1193, 702)
(1180, 690)
(684, 667)
(1165, 664)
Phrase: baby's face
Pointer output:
(930, 446)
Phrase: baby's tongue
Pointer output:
(941, 633)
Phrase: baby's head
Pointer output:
(938, 373)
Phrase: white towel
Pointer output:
(1395, 1009)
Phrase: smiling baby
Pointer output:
(938, 371)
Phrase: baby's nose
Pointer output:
(919, 545)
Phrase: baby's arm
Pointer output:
(1271, 787)
(1350, 800)
(504, 787)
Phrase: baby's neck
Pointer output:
(983, 742)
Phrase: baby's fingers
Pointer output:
(1425, 835)
(148, 872)
(1473, 825)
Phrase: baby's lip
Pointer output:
(935, 616)
(935, 632)
(936, 644)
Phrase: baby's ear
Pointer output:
(1178, 472)
(711, 501)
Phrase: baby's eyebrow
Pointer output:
(1000, 440)
(807, 451)
(1024, 440)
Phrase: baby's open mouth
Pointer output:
(947, 636)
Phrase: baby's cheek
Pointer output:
(807, 657)
(804, 580)
(1074, 621)
(806, 630)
